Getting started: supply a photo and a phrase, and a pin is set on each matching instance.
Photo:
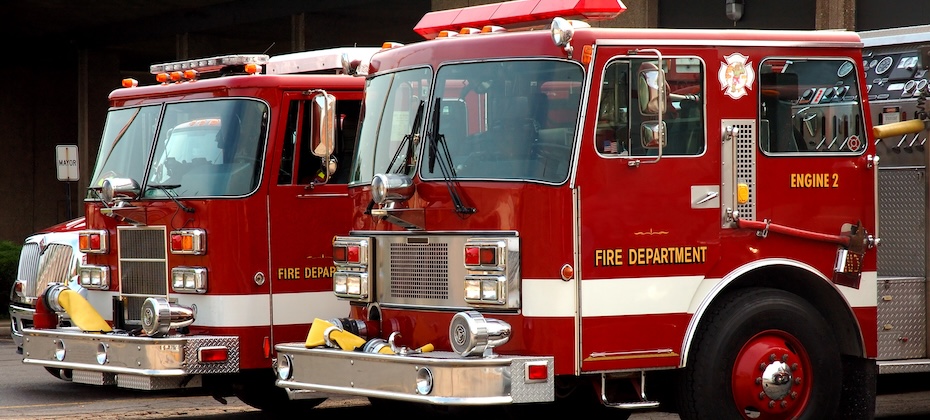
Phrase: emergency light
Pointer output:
(188, 242)
(92, 241)
(516, 14)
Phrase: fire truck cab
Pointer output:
(206, 188)
(549, 214)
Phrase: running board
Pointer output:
(903, 366)
(643, 403)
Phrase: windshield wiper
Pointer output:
(169, 192)
(445, 161)
(409, 140)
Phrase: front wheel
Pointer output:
(762, 354)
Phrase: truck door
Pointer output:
(648, 183)
(305, 211)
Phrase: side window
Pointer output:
(628, 113)
(810, 106)
(298, 164)
(347, 115)
(286, 171)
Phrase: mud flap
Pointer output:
(860, 383)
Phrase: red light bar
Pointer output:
(516, 13)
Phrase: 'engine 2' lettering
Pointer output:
(815, 180)
(650, 256)
(298, 273)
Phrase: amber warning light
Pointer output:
(515, 14)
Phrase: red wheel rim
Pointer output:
(770, 377)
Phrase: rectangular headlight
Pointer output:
(486, 289)
(93, 277)
(352, 285)
(189, 279)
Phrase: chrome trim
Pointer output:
(456, 380)
(138, 356)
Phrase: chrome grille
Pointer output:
(419, 271)
(55, 266)
(28, 266)
(143, 267)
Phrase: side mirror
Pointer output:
(652, 134)
(651, 98)
(323, 125)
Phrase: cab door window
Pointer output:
(628, 107)
(298, 164)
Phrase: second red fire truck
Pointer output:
(627, 218)
(206, 189)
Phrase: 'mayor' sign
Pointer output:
(66, 157)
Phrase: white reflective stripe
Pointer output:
(867, 293)
(245, 310)
(552, 297)
(638, 296)
(301, 308)
(254, 310)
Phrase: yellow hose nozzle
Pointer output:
(898, 128)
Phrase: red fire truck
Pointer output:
(205, 191)
(682, 220)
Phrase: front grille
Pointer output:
(28, 266)
(419, 271)
(428, 271)
(55, 266)
(143, 267)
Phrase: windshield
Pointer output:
(204, 148)
(503, 120)
(389, 111)
(126, 144)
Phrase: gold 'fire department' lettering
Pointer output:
(668, 255)
(297, 273)
(608, 257)
(815, 180)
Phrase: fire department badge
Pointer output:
(736, 75)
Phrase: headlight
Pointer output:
(486, 289)
(351, 285)
(93, 277)
(189, 279)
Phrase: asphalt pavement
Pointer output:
(5, 329)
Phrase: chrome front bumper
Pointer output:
(128, 361)
(455, 380)
(20, 318)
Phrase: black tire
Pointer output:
(736, 341)
(258, 390)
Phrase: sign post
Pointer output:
(66, 157)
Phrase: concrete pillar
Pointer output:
(836, 14)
